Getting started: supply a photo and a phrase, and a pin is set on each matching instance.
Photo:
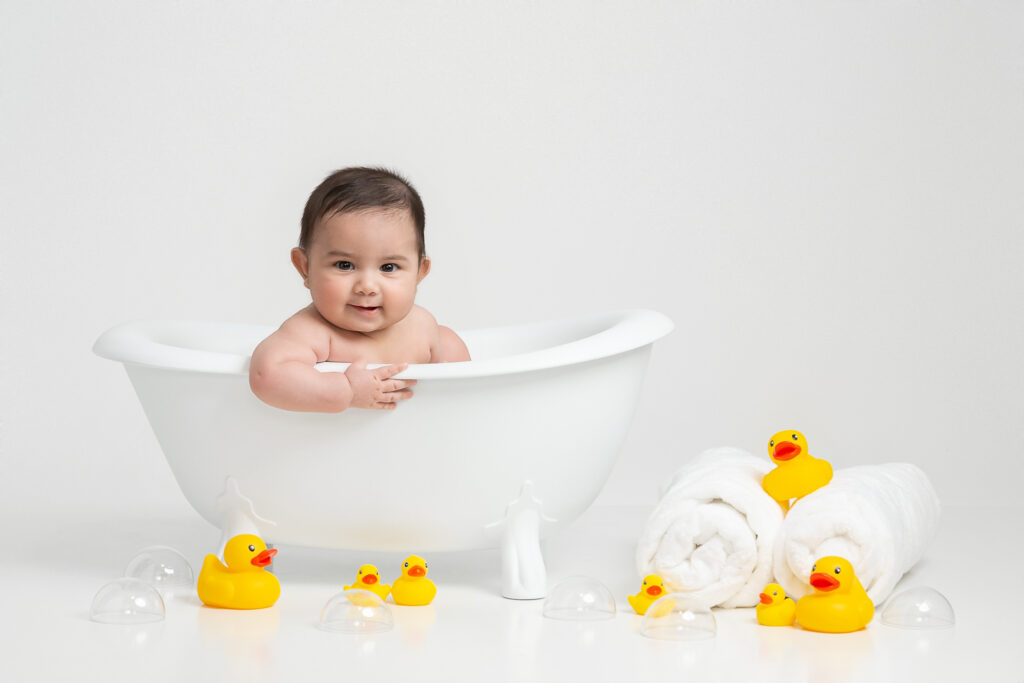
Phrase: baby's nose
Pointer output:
(366, 285)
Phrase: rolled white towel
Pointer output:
(712, 533)
(879, 517)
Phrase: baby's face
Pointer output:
(363, 268)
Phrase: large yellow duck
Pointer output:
(368, 579)
(652, 589)
(775, 608)
(413, 587)
(839, 604)
(797, 473)
(243, 583)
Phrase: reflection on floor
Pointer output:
(53, 569)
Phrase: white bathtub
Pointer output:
(498, 451)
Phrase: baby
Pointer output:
(361, 255)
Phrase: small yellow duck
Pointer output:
(775, 608)
(797, 473)
(413, 587)
(243, 583)
(839, 604)
(368, 579)
(652, 589)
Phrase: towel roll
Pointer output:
(712, 533)
(879, 517)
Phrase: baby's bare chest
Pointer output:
(400, 349)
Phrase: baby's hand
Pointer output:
(375, 389)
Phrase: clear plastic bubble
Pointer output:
(127, 601)
(921, 607)
(675, 617)
(164, 568)
(356, 611)
(580, 598)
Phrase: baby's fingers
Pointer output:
(397, 384)
(390, 400)
(389, 371)
(395, 396)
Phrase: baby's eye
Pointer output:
(389, 267)
(344, 265)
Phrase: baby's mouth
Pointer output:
(365, 309)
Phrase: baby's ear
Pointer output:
(424, 269)
(301, 263)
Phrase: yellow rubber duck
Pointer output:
(413, 587)
(652, 589)
(797, 473)
(368, 579)
(775, 608)
(839, 604)
(243, 583)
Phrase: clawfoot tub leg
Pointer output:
(523, 576)
(237, 515)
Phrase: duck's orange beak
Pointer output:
(766, 599)
(264, 558)
(824, 582)
(786, 450)
(654, 590)
(370, 579)
(417, 571)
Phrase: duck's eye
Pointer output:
(406, 564)
(775, 592)
(837, 570)
(772, 442)
(426, 566)
(795, 438)
(252, 549)
(814, 568)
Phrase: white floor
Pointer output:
(53, 564)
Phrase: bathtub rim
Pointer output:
(137, 343)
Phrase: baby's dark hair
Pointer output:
(357, 189)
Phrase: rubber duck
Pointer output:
(368, 579)
(839, 604)
(775, 608)
(652, 589)
(243, 583)
(797, 473)
(413, 587)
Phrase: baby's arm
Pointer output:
(282, 374)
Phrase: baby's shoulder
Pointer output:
(307, 328)
(306, 323)
(419, 322)
(300, 337)
(421, 316)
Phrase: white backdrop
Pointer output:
(825, 197)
